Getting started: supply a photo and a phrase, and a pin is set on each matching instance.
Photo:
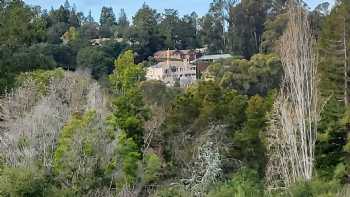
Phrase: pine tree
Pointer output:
(89, 17)
(334, 52)
(123, 25)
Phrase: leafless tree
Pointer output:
(18, 102)
(207, 169)
(127, 192)
(346, 69)
(31, 122)
(293, 123)
(152, 126)
(344, 192)
(206, 165)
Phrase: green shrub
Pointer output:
(245, 183)
(80, 160)
(41, 78)
(66, 139)
(152, 167)
(315, 188)
(128, 157)
(22, 182)
(340, 171)
(176, 191)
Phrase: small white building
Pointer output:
(172, 72)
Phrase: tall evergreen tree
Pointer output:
(334, 50)
(188, 32)
(275, 25)
(145, 34)
(169, 26)
(246, 26)
(107, 17)
(66, 5)
(123, 25)
(130, 112)
(107, 21)
(213, 27)
(89, 17)
(317, 17)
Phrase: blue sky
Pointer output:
(131, 6)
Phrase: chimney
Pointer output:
(167, 57)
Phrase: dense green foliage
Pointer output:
(152, 168)
(99, 60)
(62, 37)
(245, 183)
(130, 112)
(255, 76)
(77, 144)
(127, 161)
(22, 182)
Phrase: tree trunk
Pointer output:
(346, 77)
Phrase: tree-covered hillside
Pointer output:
(79, 117)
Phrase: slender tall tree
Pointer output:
(123, 25)
(107, 21)
(107, 16)
(168, 26)
(246, 25)
(293, 126)
(89, 18)
(334, 50)
(213, 27)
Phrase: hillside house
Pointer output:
(204, 61)
(100, 41)
(213, 58)
(172, 73)
(178, 55)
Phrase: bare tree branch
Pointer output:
(293, 123)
